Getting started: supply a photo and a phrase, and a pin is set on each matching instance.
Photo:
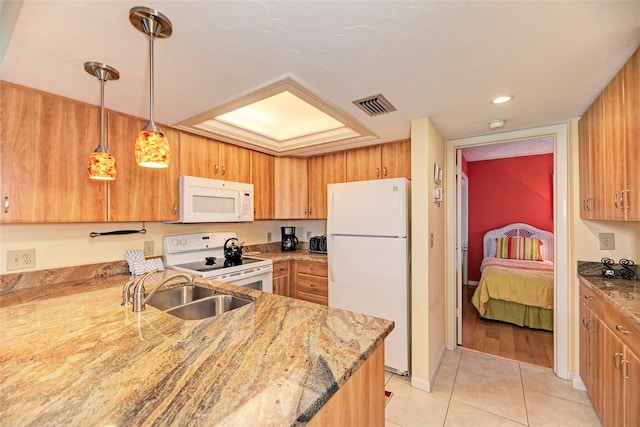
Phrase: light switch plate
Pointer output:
(148, 248)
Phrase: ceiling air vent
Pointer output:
(375, 105)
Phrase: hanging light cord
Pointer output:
(151, 83)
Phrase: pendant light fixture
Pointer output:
(101, 164)
(152, 146)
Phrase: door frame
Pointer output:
(561, 232)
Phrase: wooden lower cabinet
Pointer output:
(609, 363)
(592, 353)
(360, 401)
(281, 278)
(311, 282)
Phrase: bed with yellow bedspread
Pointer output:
(516, 291)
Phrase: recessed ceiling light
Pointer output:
(497, 123)
(501, 99)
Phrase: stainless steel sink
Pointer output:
(208, 307)
(193, 302)
(170, 298)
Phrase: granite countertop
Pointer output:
(297, 255)
(623, 294)
(73, 355)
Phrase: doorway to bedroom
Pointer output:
(507, 295)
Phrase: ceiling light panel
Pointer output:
(281, 117)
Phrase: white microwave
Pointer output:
(214, 200)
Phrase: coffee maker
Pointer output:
(289, 239)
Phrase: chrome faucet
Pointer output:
(125, 293)
(139, 301)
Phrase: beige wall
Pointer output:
(62, 245)
(427, 263)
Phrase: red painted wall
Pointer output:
(503, 191)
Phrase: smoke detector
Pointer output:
(497, 123)
(375, 105)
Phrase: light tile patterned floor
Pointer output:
(476, 389)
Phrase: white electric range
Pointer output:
(202, 254)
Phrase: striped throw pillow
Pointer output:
(518, 248)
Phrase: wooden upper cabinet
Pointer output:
(390, 160)
(139, 193)
(597, 150)
(586, 196)
(198, 156)
(45, 143)
(631, 73)
(263, 186)
(234, 163)
(324, 170)
(614, 146)
(363, 163)
(208, 158)
(396, 159)
(291, 187)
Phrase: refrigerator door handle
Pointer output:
(330, 265)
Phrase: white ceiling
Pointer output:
(442, 59)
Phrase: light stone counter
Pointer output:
(76, 357)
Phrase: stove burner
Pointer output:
(232, 262)
(210, 260)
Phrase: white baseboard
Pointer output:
(420, 384)
(579, 385)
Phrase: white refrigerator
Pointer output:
(369, 259)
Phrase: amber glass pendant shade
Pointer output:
(102, 166)
(152, 149)
(151, 146)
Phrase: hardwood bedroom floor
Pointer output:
(504, 339)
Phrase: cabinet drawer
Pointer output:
(623, 328)
(312, 285)
(313, 268)
(312, 298)
(592, 299)
(280, 268)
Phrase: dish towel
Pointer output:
(139, 265)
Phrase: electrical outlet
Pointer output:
(148, 248)
(269, 237)
(21, 259)
(607, 241)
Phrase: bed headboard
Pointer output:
(518, 230)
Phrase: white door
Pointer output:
(459, 246)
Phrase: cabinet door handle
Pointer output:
(590, 204)
(621, 329)
(584, 204)
(6, 204)
(624, 200)
(588, 297)
(175, 208)
(224, 170)
(624, 369)
(378, 172)
(384, 171)
(215, 169)
(615, 361)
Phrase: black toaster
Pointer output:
(318, 244)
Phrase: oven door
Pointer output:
(260, 278)
(262, 282)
